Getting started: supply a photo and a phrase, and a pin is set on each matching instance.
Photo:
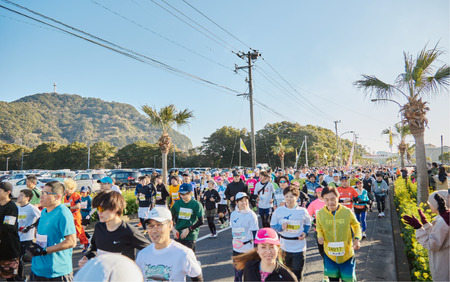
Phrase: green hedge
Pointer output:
(405, 202)
(130, 200)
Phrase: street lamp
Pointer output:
(154, 162)
(7, 160)
(340, 147)
(376, 100)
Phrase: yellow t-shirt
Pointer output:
(174, 195)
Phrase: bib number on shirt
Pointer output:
(22, 217)
(185, 213)
(158, 194)
(336, 249)
(67, 204)
(9, 219)
(141, 197)
(174, 196)
(293, 226)
(311, 192)
(83, 205)
(238, 233)
(41, 240)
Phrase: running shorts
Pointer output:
(345, 271)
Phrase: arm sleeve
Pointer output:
(216, 196)
(274, 224)
(191, 267)
(433, 237)
(307, 223)
(227, 193)
(319, 227)
(199, 218)
(138, 240)
(92, 248)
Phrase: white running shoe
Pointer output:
(364, 235)
(227, 223)
(214, 235)
(382, 214)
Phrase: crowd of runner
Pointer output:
(327, 203)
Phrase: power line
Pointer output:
(221, 44)
(190, 5)
(163, 37)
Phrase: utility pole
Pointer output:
(442, 149)
(337, 138)
(249, 57)
(7, 162)
(174, 156)
(21, 162)
(89, 156)
(54, 87)
(306, 150)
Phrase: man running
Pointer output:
(31, 184)
(340, 233)
(264, 191)
(347, 194)
(235, 187)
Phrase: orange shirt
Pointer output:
(347, 193)
(71, 201)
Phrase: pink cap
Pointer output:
(319, 190)
(267, 236)
(219, 179)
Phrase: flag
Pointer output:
(348, 167)
(390, 138)
(243, 148)
(296, 154)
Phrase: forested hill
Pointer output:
(65, 118)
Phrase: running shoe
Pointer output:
(382, 214)
(139, 224)
(222, 226)
(86, 247)
(227, 223)
(211, 235)
(326, 279)
(214, 235)
(364, 236)
(379, 215)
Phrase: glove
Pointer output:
(442, 208)
(88, 217)
(422, 217)
(412, 221)
(26, 229)
(35, 250)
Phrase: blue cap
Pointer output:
(344, 177)
(84, 189)
(106, 179)
(185, 188)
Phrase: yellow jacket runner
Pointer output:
(337, 234)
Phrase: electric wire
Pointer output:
(190, 5)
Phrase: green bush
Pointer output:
(130, 198)
(405, 202)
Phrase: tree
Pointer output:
(402, 131)
(165, 118)
(101, 153)
(420, 80)
(280, 148)
(445, 157)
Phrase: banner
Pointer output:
(243, 148)
(350, 158)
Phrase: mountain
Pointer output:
(66, 118)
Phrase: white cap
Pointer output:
(240, 195)
(160, 214)
(109, 267)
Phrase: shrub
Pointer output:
(130, 198)
(405, 201)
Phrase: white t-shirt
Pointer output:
(221, 190)
(264, 196)
(28, 215)
(115, 188)
(328, 179)
(172, 263)
(296, 219)
(242, 225)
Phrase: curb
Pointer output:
(401, 261)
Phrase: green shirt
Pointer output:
(36, 197)
(186, 215)
(300, 181)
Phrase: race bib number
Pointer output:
(22, 216)
(158, 194)
(311, 192)
(10, 220)
(83, 205)
(67, 204)
(41, 240)
(336, 249)
(250, 185)
(141, 197)
(185, 213)
(346, 201)
(174, 196)
(238, 233)
(197, 184)
(293, 226)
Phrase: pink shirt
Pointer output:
(251, 184)
(315, 206)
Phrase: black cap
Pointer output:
(6, 186)
(185, 174)
(235, 173)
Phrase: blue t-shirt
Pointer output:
(86, 206)
(52, 229)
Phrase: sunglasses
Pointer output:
(48, 193)
(283, 181)
(101, 209)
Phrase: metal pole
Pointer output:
(240, 150)
(250, 91)
(7, 161)
(89, 157)
(21, 163)
(306, 150)
(442, 149)
(154, 161)
(174, 156)
(337, 139)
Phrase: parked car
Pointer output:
(14, 178)
(22, 184)
(89, 179)
(61, 175)
(125, 177)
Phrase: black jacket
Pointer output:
(235, 187)
(280, 273)
(207, 195)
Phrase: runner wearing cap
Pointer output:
(340, 233)
(244, 224)
(263, 263)
(292, 223)
(107, 183)
(210, 199)
(235, 187)
(310, 187)
(166, 259)
(347, 194)
(112, 234)
(264, 191)
(188, 217)
(9, 238)
(360, 207)
(335, 182)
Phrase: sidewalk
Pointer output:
(375, 260)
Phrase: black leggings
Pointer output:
(211, 224)
(142, 220)
(380, 202)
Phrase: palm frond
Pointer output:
(182, 118)
(374, 87)
(153, 115)
(439, 81)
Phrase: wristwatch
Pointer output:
(44, 252)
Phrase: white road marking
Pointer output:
(207, 236)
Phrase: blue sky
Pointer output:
(319, 47)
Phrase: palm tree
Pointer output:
(165, 118)
(280, 148)
(410, 150)
(420, 80)
(402, 131)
